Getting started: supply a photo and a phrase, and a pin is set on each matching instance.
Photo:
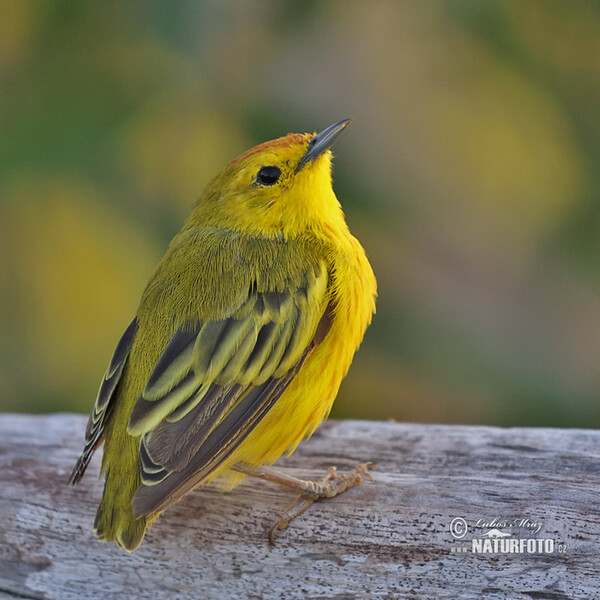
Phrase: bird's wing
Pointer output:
(216, 380)
(104, 401)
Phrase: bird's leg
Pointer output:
(330, 485)
(303, 502)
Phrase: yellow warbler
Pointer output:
(240, 342)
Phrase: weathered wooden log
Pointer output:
(396, 537)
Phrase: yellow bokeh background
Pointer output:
(471, 174)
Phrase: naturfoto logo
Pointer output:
(497, 541)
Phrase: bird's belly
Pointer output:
(295, 415)
(309, 397)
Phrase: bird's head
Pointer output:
(280, 187)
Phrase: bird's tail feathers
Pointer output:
(115, 520)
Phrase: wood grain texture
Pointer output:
(384, 539)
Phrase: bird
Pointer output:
(240, 342)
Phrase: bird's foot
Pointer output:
(329, 486)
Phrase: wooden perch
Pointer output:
(384, 539)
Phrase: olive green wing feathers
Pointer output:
(97, 421)
(216, 380)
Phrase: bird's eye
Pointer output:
(268, 175)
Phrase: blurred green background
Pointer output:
(470, 174)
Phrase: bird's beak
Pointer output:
(321, 141)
